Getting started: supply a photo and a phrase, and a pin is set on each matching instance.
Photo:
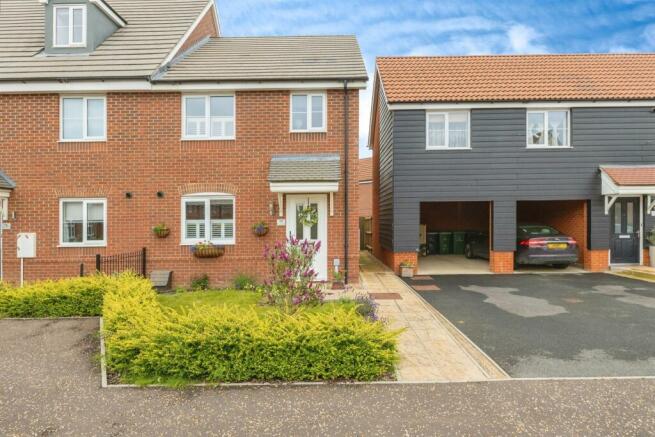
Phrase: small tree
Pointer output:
(293, 279)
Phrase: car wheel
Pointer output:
(560, 266)
(468, 251)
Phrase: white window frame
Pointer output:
(545, 112)
(85, 121)
(70, 25)
(85, 202)
(207, 198)
(446, 115)
(308, 95)
(208, 117)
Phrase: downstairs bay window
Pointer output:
(208, 217)
(83, 222)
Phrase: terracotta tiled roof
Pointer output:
(631, 176)
(518, 77)
(365, 169)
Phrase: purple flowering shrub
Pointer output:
(293, 279)
(367, 307)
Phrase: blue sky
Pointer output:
(451, 27)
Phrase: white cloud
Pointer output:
(524, 39)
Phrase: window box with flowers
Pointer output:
(207, 250)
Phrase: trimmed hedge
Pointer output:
(147, 343)
(75, 297)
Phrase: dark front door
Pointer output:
(624, 230)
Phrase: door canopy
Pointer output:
(628, 180)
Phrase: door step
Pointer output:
(645, 273)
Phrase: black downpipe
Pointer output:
(345, 179)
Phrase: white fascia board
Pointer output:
(187, 34)
(540, 104)
(111, 14)
(255, 85)
(304, 187)
(83, 86)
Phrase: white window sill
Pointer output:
(70, 46)
(447, 148)
(64, 245)
(548, 147)
(85, 140)
(208, 138)
(312, 131)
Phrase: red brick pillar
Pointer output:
(596, 260)
(501, 262)
(394, 259)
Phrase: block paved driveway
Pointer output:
(50, 385)
(553, 325)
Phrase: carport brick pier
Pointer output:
(570, 188)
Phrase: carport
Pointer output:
(567, 216)
(444, 231)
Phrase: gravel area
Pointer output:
(50, 385)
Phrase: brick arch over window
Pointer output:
(208, 187)
(89, 191)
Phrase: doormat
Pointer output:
(426, 288)
(385, 296)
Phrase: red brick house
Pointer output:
(119, 115)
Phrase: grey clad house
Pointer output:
(467, 145)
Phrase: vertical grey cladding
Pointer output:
(504, 225)
(386, 195)
(499, 167)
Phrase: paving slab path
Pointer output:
(431, 348)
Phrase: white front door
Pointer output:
(318, 232)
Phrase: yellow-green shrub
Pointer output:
(146, 342)
(62, 298)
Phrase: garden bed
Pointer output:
(227, 336)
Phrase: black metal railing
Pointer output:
(109, 265)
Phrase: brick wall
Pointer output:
(206, 27)
(394, 259)
(597, 260)
(501, 262)
(365, 199)
(144, 155)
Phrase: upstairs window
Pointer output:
(69, 26)
(548, 129)
(448, 130)
(208, 218)
(83, 119)
(308, 112)
(208, 117)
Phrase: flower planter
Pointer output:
(162, 233)
(407, 272)
(208, 252)
(260, 232)
(338, 285)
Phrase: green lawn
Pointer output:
(236, 298)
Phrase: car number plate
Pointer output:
(557, 246)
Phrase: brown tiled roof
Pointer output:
(365, 169)
(518, 77)
(631, 176)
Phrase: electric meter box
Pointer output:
(26, 245)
